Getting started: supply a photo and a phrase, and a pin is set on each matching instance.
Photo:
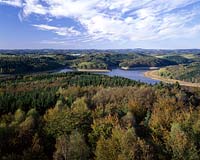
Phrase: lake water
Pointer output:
(137, 75)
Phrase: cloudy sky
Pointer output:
(101, 24)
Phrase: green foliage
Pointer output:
(188, 73)
(181, 144)
(146, 61)
(73, 147)
(41, 99)
(178, 59)
(61, 122)
(27, 64)
(19, 116)
(123, 145)
(88, 116)
(92, 65)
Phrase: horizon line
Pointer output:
(101, 49)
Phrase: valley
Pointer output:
(86, 106)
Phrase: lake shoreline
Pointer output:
(94, 70)
(137, 75)
(139, 68)
(155, 76)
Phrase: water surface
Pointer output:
(137, 75)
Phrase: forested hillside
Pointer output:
(188, 73)
(178, 59)
(86, 116)
(146, 61)
(17, 63)
(10, 64)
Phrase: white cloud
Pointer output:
(62, 31)
(17, 3)
(33, 6)
(117, 19)
(52, 42)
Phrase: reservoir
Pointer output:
(137, 75)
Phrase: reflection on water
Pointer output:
(65, 70)
(137, 75)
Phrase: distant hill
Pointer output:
(91, 51)
(23, 61)
(178, 59)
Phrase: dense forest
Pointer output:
(87, 116)
(147, 61)
(25, 64)
(178, 59)
(188, 73)
(75, 115)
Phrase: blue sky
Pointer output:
(99, 24)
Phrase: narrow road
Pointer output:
(154, 75)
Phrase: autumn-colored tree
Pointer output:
(19, 116)
(63, 121)
(163, 114)
(181, 145)
(78, 149)
(102, 127)
(71, 147)
(58, 123)
(123, 145)
(62, 147)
